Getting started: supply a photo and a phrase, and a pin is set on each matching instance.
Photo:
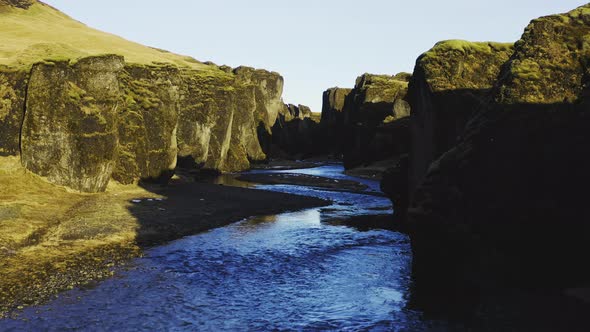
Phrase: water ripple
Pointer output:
(275, 273)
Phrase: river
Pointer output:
(292, 271)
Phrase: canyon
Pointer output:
(481, 151)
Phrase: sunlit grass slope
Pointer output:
(44, 33)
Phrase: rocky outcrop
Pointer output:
(333, 121)
(505, 207)
(370, 110)
(148, 120)
(265, 89)
(23, 4)
(69, 133)
(98, 118)
(206, 112)
(294, 134)
(378, 97)
(450, 83)
(221, 114)
(13, 88)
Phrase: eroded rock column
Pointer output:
(69, 133)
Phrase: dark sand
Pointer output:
(191, 208)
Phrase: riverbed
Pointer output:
(291, 271)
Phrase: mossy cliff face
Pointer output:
(268, 88)
(205, 112)
(450, 83)
(98, 118)
(13, 87)
(69, 133)
(259, 102)
(378, 97)
(148, 120)
(506, 206)
(550, 64)
(220, 115)
(333, 101)
(355, 123)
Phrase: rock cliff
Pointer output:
(294, 135)
(450, 83)
(505, 206)
(333, 120)
(69, 133)
(13, 89)
(80, 120)
(371, 131)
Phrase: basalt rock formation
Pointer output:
(220, 116)
(294, 134)
(450, 82)
(372, 123)
(334, 120)
(69, 134)
(148, 121)
(505, 206)
(13, 89)
(361, 124)
(80, 119)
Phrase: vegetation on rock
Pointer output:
(551, 61)
(510, 181)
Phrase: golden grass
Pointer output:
(53, 239)
(44, 33)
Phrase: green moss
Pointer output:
(75, 93)
(464, 46)
(550, 60)
(459, 64)
(381, 88)
(527, 70)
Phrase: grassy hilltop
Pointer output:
(41, 32)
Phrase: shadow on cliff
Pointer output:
(292, 140)
(500, 224)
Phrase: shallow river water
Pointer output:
(291, 271)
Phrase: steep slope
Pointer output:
(39, 32)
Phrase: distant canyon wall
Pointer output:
(367, 123)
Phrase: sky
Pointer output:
(313, 44)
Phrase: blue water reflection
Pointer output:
(284, 272)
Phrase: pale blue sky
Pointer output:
(314, 44)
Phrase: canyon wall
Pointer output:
(367, 123)
(294, 134)
(88, 121)
(13, 89)
(450, 82)
(502, 203)
(69, 133)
